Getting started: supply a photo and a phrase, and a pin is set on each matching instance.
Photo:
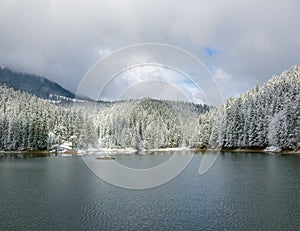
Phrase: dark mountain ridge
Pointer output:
(32, 84)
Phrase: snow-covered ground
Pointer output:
(130, 150)
(107, 150)
(168, 149)
(272, 149)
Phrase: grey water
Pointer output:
(241, 191)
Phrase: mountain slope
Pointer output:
(31, 123)
(35, 85)
(266, 116)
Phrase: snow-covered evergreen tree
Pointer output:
(264, 116)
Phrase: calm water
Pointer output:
(240, 192)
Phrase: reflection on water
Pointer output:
(240, 192)
(23, 155)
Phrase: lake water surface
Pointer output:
(240, 192)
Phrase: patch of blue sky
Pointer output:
(210, 51)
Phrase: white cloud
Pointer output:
(152, 81)
(62, 39)
(220, 75)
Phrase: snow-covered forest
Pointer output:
(31, 123)
(264, 116)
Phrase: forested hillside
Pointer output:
(35, 85)
(31, 123)
(264, 116)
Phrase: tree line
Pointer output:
(264, 116)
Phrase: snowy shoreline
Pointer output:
(132, 151)
(264, 151)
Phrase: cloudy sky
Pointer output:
(240, 42)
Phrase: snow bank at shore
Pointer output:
(132, 150)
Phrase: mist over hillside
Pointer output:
(33, 84)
